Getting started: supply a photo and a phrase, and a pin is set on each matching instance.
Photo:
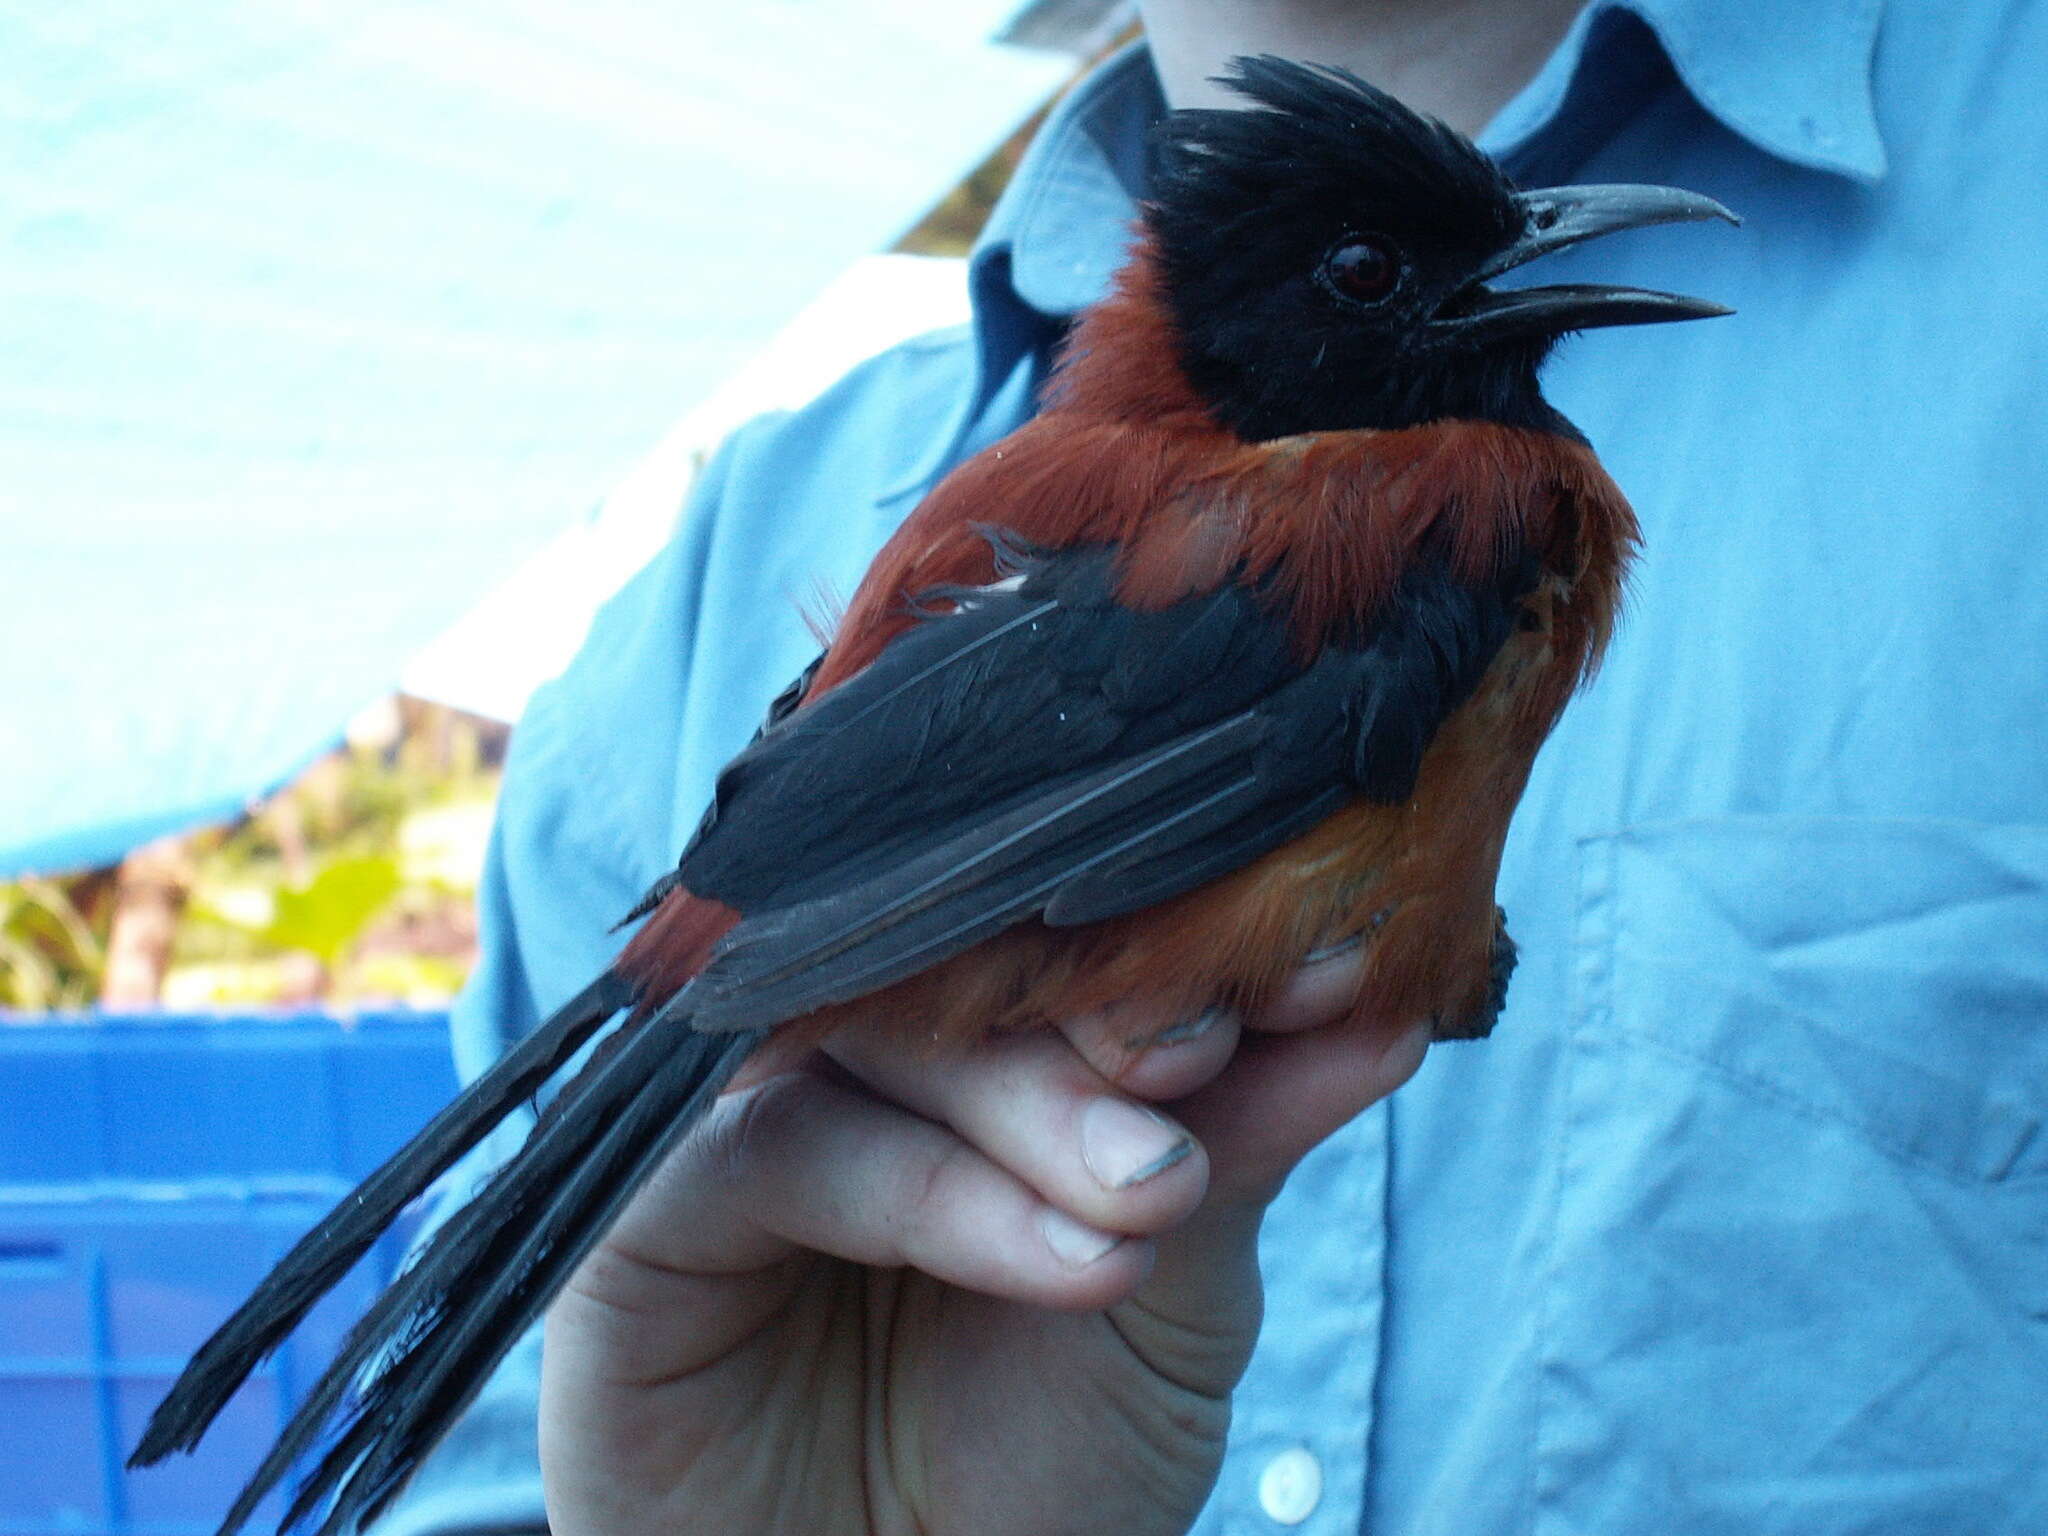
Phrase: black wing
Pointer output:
(1040, 750)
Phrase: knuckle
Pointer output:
(928, 1184)
(737, 1141)
(923, 1190)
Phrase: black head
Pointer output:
(1326, 253)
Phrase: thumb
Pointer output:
(1195, 1318)
(1283, 1094)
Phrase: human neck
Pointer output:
(1460, 60)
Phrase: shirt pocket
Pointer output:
(1800, 1244)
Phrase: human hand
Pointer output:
(988, 1292)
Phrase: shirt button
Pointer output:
(1291, 1486)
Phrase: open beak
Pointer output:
(1562, 216)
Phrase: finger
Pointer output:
(1194, 1317)
(1319, 994)
(1034, 1108)
(782, 1051)
(1282, 1094)
(1152, 1055)
(810, 1161)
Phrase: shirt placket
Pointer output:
(1299, 1457)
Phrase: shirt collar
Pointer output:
(1063, 225)
(1795, 81)
(1055, 237)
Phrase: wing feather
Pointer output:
(1042, 751)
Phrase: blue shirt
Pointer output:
(1739, 1223)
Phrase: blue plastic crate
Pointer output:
(151, 1170)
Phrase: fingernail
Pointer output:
(1074, 1245)
(1335, 951)
(1187, 1029)
(1124, 1145)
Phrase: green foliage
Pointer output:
(50, 956)
(336, 866)
(326, 916)
(354, 882)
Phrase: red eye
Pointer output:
(1362, 269)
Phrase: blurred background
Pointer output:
(350, 356)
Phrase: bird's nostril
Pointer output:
(1546, 218)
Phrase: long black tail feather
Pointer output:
(317, 1262)
(433, 1338)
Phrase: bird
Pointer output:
(1240, 649)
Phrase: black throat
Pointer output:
(1499, 385)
